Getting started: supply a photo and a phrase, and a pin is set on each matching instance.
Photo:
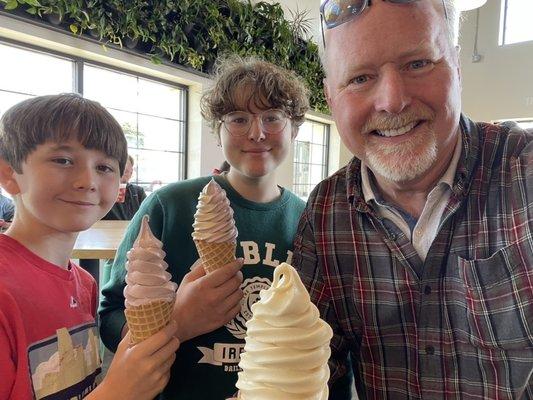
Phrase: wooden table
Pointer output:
(100, 241)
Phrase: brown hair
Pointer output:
(270, 86)
(57, 118)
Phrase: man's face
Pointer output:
(393, 86)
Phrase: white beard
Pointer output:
(405, 162)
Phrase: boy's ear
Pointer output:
(7, 178)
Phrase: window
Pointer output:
(515, 23)
(20, 79)
(310, 157)
(525, 123)
(152, 113)
(152, 117)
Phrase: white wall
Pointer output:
(500, 85)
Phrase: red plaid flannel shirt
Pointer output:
(460, 324)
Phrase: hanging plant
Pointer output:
(192, 33)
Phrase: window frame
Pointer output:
(503, 26)
(325, 156)
(78, 82)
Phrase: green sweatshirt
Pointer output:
(206, 366)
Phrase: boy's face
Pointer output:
(65, 187)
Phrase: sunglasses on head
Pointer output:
(336, 12)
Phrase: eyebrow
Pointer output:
(61, 147)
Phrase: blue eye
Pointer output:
(359, 80)
(418, 64)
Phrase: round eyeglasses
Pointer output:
(238, 123)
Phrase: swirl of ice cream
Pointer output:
(147, 279)
(287, 344)
(213, 221)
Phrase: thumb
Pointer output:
(124, 343)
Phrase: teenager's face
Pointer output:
(65, 187)
(256, 154)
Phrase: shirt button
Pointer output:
(418, 233)
(427, 289)
(430, 350)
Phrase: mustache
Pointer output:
(386, 121)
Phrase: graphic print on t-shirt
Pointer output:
(228, 355)
(65, 366)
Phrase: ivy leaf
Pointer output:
(11, 5)
(73, 28)
(34, 3)
(31, 10)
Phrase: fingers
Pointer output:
(197, 271)
(159, 340)
(231, 302)
(223, 274)
(166, 355)
(124, 343)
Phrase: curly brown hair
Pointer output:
(268, 85)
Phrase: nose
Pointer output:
(85, 179)
(391, 93)
(256, 132)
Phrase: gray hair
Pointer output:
(452, 24)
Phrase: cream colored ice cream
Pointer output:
(147, 278)
(214, 232)
(149, 293)
(287, 344)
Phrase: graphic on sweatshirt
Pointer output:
(228, 355)
(66, 365)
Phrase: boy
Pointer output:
(61, 158)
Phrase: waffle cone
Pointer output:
(215, 255)
(147, 319)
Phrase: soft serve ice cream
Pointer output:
(287, 344)
(214, 232)
(149, 293)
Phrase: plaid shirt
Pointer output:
(460, 324)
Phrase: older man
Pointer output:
(419, 252)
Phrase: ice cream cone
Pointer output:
(146, 319)
(215, 255)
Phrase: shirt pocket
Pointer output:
(499, 298)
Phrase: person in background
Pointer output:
(419, 252)
(61, 158)
(133, 197)
(255, 109)
(7, 211)
(224, 167)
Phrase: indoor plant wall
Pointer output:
(191, 33)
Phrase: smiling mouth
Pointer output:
(79, 203)
(397, 131)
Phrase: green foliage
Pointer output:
(193, 33)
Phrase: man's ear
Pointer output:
(7, 178)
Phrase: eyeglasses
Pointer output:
(336, 12)
(238, 123)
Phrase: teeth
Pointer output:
(397, 132)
